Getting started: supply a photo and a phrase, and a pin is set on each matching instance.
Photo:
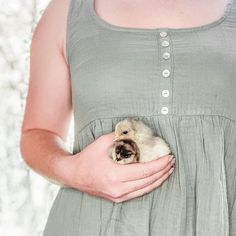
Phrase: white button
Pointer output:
(165, 93)
(163, 34)
(165, 43)
(164, 110)
(165, 73)
(166, 55)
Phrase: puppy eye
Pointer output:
(125, 132)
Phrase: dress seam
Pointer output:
(138, 116)
(172, 75)
(159, 63)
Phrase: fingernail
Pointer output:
(171, 157)
(173, 161)
(171, 170)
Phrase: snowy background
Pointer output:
(25, 196)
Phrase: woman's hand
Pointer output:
(94, 172)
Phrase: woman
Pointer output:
(170, 63)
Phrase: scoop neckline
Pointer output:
(110, 26)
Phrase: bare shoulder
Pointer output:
(53, 23)
(49, 102)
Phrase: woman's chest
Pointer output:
(156, 73)
(159, 13)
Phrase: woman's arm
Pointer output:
(47, 116)
(48, 106)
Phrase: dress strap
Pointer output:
(231, 14)
(76, 13)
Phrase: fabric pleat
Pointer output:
(194, 200)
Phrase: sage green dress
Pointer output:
(181, 82)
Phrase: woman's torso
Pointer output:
(157, 14)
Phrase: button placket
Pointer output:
(166, 55)
(165, 43)
(166, 73)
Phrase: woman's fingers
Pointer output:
(142, 191)
(133, 185)
(136, 171)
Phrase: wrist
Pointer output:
(60, 170)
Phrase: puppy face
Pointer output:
(126, 151)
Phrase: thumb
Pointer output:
(108, 138)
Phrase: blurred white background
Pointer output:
(25, 196)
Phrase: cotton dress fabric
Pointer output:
(117, 72)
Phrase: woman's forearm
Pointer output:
(45, 153)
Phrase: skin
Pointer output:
(160, 13)
(48, 109)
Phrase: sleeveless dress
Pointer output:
(182, 83)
